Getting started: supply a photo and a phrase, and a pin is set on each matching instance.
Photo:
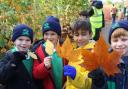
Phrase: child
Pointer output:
(118, 39)
(49, 70)
(77, 75)
(16, 66)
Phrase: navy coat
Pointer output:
(120, 80)
(15, 77)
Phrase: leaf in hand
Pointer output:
(102, 58)
(49, 48)
(90, 60)
(32, 55)
(66, 51)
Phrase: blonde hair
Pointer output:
(119, 32)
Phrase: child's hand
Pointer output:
(97, 77)
(47, 62)
(70, 71)
(19, 56)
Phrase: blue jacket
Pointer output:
(120, 80)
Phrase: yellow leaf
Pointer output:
(49, 48)
(32, 55)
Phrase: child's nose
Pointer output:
(24, 42)
(119, 43)
(79, 37)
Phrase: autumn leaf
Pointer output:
(58, 50)
(67, 47)
(49, 47)
(66, 51)
(90, 61)
(100, 57)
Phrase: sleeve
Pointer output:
(7, 68)
(93, 86)
(81, 80)
(39, 70)
(90, 12)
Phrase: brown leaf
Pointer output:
(102, 58)
(90, 60)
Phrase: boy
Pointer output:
(49, 70)
(77, 75)
(16, 66)
(118, 39)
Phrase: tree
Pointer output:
(34, 12)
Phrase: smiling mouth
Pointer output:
(24, 48)
(120, 49)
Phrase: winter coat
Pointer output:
(120, 80)
(48, 77)
(81, 80)
(15, 77)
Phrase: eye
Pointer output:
(46, 33)
(114, 40)
(53, 34)
(124, 39)
(20, 39)
(76, 34)
(28, 40)
(84, 34)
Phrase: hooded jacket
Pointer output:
(81, 80)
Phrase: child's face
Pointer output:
(82, 37)
(51, 36)
(23, 43)
(120, 43)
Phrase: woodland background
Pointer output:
(34, 12)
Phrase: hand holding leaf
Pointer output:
(100, 57)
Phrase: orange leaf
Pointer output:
(67, 47)
(66, 51)
(58, 50)
(74, 55)
(110, 65)
(90, 61)
(102, 58)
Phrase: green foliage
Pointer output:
(109, 1)
(2, 41)
(33, 13)
(5, 34)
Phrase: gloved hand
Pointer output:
(98, 77)
(70, 71)
(19, 56)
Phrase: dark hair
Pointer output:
(83, 13)
(81, 24)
